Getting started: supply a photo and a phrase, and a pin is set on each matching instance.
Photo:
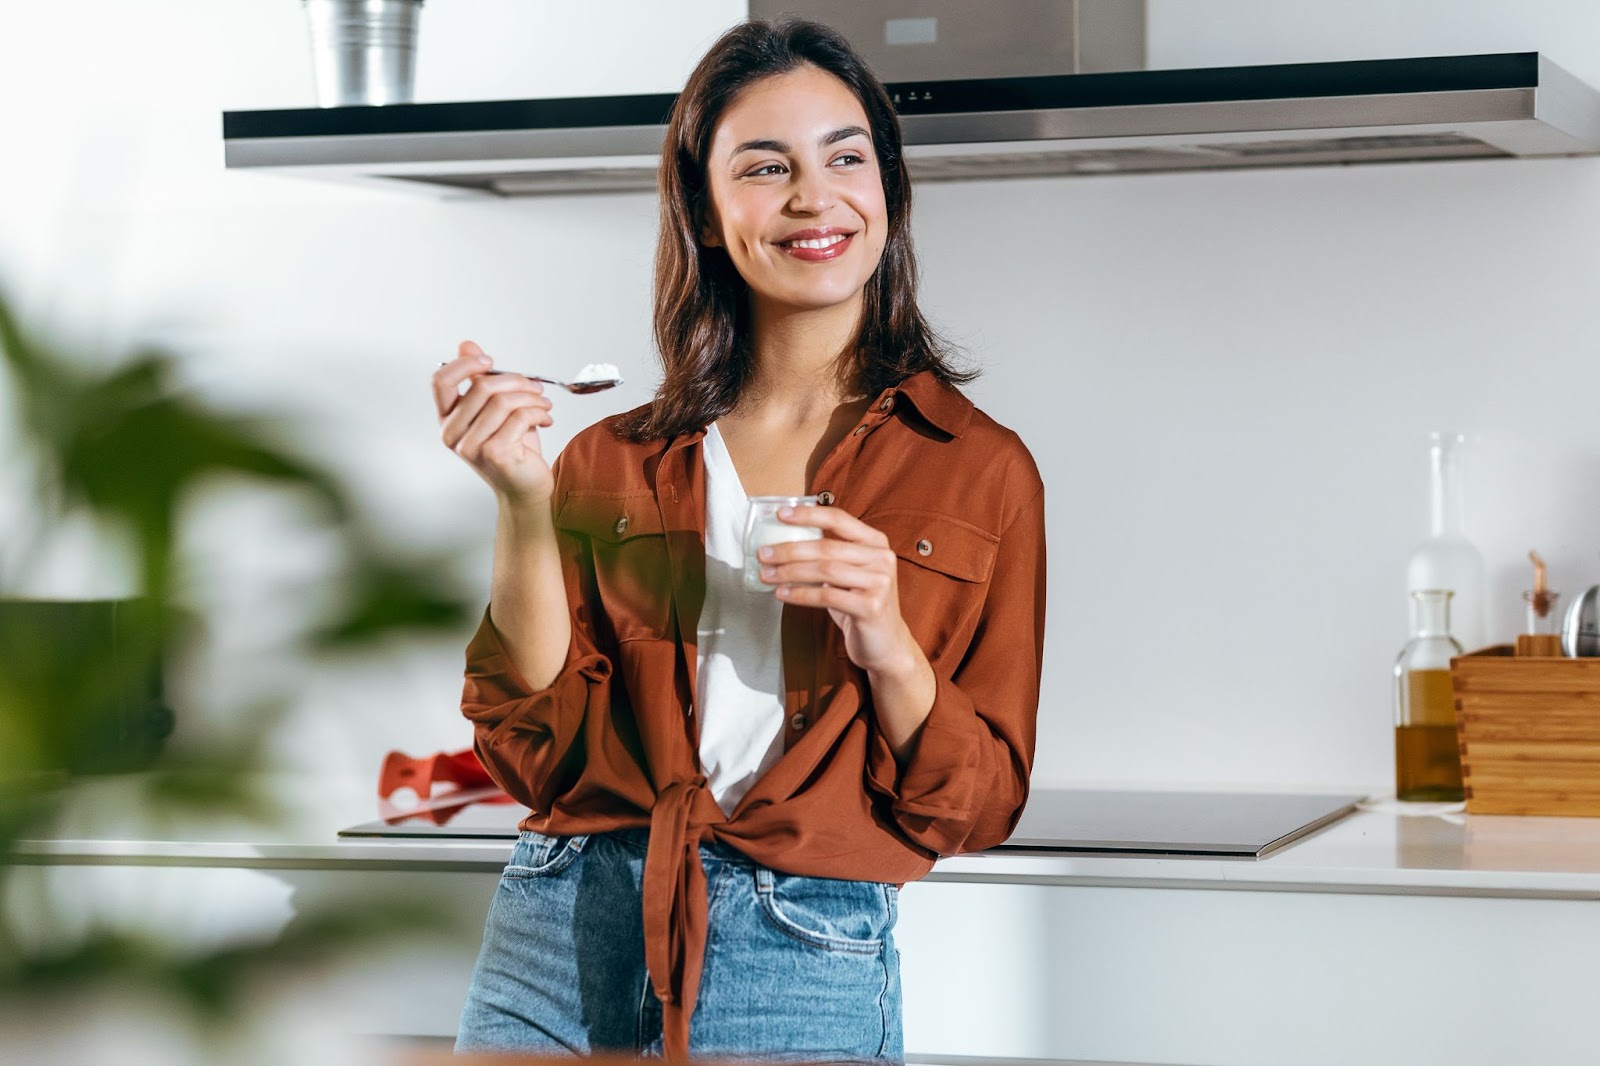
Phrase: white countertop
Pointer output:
(1384, 848)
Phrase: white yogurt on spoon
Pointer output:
(598, 372)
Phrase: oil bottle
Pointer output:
(1427, 756)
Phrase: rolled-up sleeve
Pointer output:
(964, 785)
(525, 737)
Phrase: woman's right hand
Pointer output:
(493, 421)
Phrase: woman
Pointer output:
(727, 788)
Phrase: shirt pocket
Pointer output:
(944, 570)
(632, 570)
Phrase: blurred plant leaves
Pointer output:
(127, 445)
(387, 598)
(83, 726)
(212, 983)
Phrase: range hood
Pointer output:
(1132, 121)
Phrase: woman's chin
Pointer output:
(814, 299)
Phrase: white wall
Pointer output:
(1227, 378)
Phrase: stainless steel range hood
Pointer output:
(1368, 111)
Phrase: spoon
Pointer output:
(580, 388)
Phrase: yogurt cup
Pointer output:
(763, 527)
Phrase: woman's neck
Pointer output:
(803, 368)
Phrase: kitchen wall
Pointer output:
(1227, 379)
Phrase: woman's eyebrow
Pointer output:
(768, 145)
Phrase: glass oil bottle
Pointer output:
(1427, 756)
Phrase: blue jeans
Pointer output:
(796, 968)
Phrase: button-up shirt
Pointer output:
(612, 742)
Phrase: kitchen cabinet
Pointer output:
(1380, 939)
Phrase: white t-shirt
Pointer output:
(740, 655)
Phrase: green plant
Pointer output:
(128, 447)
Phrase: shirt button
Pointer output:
(924, 547)
(622, 525)
(798, 722)
(887, 404)
(860, 430)
(825, 498)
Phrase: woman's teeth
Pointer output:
(820, 242)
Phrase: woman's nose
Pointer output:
(811, 194)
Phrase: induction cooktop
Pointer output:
(1242, 824)
(1216, 824)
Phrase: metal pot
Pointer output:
(1580, 631)
(363, 51)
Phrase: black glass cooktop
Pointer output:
(1219, 824)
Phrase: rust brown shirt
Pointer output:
(613, 741)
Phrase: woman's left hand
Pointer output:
(851, 571)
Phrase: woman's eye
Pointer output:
(770, 168)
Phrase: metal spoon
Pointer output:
(581, 388)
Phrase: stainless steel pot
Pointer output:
(363, 51)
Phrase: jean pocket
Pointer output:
(836, 915)
(537, 855)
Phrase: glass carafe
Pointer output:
(1427, 756)
(1447, 559)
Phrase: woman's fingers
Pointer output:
(846, 551)
(492, 422)
(855, 579)
(447, 379)
(506, 445)
(834, 522)
(477, 401)
(854, 604)
(492, 417)
(865, 563)
(835, 572)
(850, 571)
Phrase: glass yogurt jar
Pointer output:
(764, 527)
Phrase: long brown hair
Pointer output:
(701, 302)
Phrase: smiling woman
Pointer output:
(814, 197)
(780, 136)
(728, 786)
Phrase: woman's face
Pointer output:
(792, 161)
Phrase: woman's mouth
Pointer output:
(818, 249)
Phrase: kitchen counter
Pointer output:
(1385, 847)
(1335, 948)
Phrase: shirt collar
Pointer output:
(941, 405)
(683, 440)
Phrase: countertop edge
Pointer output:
(1106, 871)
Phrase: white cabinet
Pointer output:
(1379, 941)
(1243, 977)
